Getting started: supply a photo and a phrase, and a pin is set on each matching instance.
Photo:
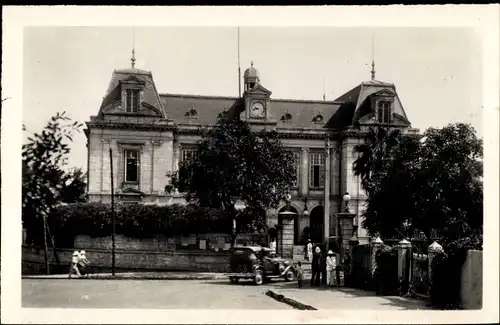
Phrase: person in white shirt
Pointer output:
(83, 263)
(74, 265)
(331, 265)
(309, 250)
(272, 245)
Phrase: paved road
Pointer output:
(172, 294)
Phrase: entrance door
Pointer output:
(316, 224)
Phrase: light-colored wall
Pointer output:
(161, 153)
(472, 281)
(155, 159)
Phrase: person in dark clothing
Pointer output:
(347, 268)
(316, 267)
(323, 267)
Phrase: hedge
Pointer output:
(386, 272)
(135, 220)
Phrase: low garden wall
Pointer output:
(33, 259)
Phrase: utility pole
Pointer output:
(47, 271)
(113, 247)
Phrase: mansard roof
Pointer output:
(210, 108)
(355, 102)
(113, 93)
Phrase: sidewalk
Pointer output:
(322, 298)
(139, 276)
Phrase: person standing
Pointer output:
(272, 245)
(330, 269)
(347, 267)
(75, 258)
(323, 267)
(338, 268)
(316, 267)
(300, 274)
(83, 263)
(309, 249)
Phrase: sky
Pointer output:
(437, 71)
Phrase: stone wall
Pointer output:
(33, 260)
(159, 243)
(471, 290)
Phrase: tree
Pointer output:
(449, 185)
(428, 184)
(233, 163)
(373, 153)
(73, 186)
(43, 178)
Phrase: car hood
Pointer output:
(282, 260)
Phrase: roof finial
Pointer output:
(251, 63)
(373, 58)
(133, 50)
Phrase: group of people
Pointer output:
(79, 264)
(325, 268)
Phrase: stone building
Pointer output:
(151, 132)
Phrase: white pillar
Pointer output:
(304, 185)
(327, 192)
(376, 246)
(432, 251)
(403, 250)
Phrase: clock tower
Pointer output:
(257, 99)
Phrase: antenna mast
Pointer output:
(373, 58)
(239, 69)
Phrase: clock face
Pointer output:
(257, 110)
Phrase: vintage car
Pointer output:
(260, 264)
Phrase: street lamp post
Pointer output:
(345, 224)
(239, 206)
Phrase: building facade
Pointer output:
(148, 133)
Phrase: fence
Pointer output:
(419, 275)
(414, 260)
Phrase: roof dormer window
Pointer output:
(286, 117)
(384, 112)
(132, 100)
(318, 118)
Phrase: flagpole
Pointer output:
(239, 69)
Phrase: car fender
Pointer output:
(287, 268)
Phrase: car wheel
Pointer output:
(289, 276)
(258, 278)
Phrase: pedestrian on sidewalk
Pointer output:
(330, 268)
(300, 274)
(347, 267)
(74, 265)
(83, 263)
(316, 267)
(338, 268)
(323, 267)
(309, 249)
